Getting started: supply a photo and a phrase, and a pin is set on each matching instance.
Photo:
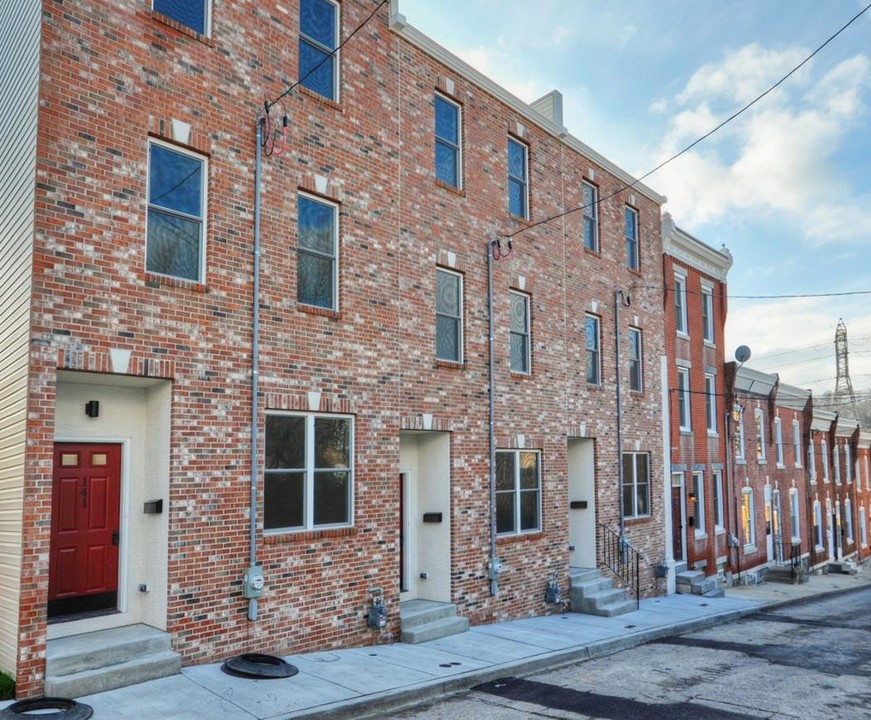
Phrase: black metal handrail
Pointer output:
(622, 559)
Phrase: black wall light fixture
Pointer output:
(92, 408)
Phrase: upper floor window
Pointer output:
(635, 360)
(738, 418)
(748, 527)
(719, 519)
(317, 254)
(449, 316)
(794, 515)
(824, 456)
(711, 402)
(318, 39)
(593, 349)
(796, 442)
(811, 460)
(636, 484)
(591, 216)
(708, 314)
(778, 441)
(836, 462)
(521, 351)
(848, 463)
(518, 179)
(447, 146)
(632, 258)
(680, 303)
(760, 435)
(308, 478)
(683, 399)
(176, 213)
(193, 14)
(518, 492)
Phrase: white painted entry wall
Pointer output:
(582, 487)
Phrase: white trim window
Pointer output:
(824, 456)
(819, 539)
(863, 527)
(848, 463)
(520, 340)
(318, 40)
(708, 314)
(590, 194)
(193, 14)
(518, 492)
(518, 179)
(748, 521)
(308, 476)
(811, 460)
(719, 513)
(796, 442)
(848, 516)
(711, 402)
(635, 360)
(176, 220)
(760, 435)
(680, 303)
(317, 255)
(738, 418)
(836, 464)
(633, 259)
(778, 442)
(698, 498)
(636, 484)
(683, 400)
(448, 142)
(592, 339)
(449, 315)
(794, 515)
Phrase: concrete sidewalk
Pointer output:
(372, 681)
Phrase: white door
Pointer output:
(769, 536)
(582, 502)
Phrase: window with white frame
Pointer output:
(748, 526)
(708, 313)
(863, 527)
(518, 179)
(591, 216)
(796, 443)
(518, 492)
(317, 255)
(683, 399)
(848, 513)
(636, 484)
(593, 349)
(848, 463)
(193, 14)
(778, 442)
(738, 418)
(698, 499)
(811, 460)
(711, 402)
(818, 525)
(448, 148)
(449, 315)
(836, 457)
(719, 512)
(635, 360)
(760, 435)
(520, 350)
(632, 256)
(680, 303)
(794, 515)
(175, 236)
(824, 456)
(318, 40)
(308, 475)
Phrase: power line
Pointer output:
(708, 134)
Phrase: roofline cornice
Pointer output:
(681, 245)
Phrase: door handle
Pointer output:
(115, 538)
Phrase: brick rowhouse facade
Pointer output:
(169, 359)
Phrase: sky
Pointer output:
(786, 186)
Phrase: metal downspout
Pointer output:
(255, 360)
(493, 573)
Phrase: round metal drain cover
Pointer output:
(259, 667)
(65, 708)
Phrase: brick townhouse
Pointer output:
(156, 277)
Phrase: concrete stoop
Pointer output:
(423, 620)
(787, 574)
(108, 659)
(845, 567)
(694, 582)
(594, 594)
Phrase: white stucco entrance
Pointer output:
(581, 459)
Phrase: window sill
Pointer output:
(451, 188)
(520, 375)
(683, 335)
(155, 280)
(315, 310)
(713, 434)
(636, 519)
(519, 218)
(519, 537)
(701, 535)
(593, 251)
(184, 29)
(709, 344)
(781, 466)
(761, 462)
(329, 102)
(740, 461)
(285, 537)
(749, 549)
(686, 431)
(720, 530)
(450, 364)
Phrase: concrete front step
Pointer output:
(845, 567)
(423, 620)
(694, 582)
(594, 594)
(108, 659)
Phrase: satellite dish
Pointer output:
(742, 354)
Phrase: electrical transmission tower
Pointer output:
(844, 395)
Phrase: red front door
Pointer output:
(83, 562)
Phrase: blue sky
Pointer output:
(786, 186)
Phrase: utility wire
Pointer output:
(293, 87)
(697, 141)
